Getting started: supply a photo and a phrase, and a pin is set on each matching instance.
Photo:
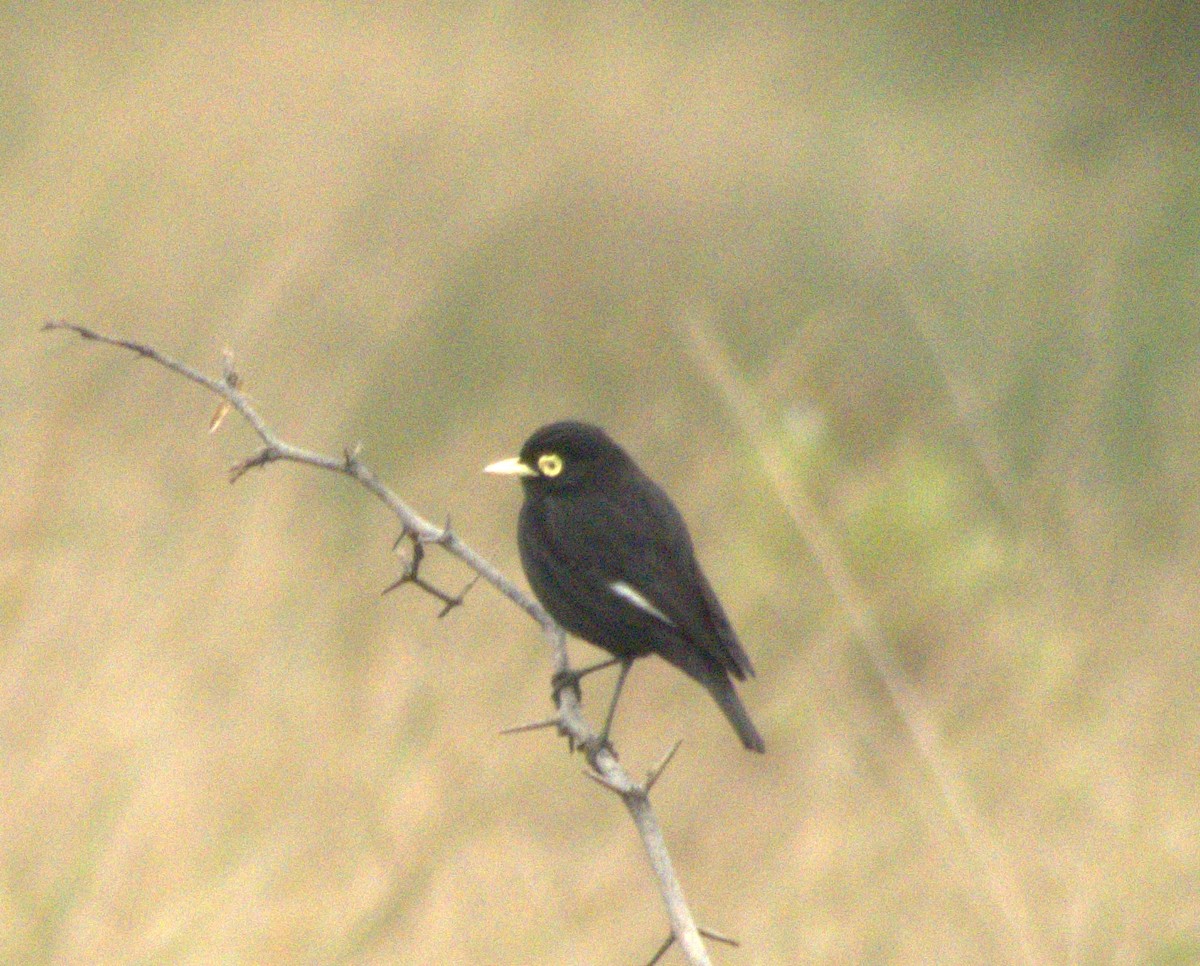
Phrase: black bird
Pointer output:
(610, 558)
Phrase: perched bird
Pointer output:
(610, 558)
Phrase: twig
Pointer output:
(569, 720)
(412, 575)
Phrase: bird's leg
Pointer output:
(626, 664)
(571, 679)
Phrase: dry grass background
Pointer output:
(950, 255)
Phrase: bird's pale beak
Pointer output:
(510, 467)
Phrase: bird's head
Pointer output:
(563, 455)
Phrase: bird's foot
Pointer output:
(570, 679)
(563, 680)
(593, 748)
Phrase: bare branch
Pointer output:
(606, 770)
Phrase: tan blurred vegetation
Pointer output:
(951, 252)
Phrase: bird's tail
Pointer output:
(721, 688)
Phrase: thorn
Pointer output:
(706, 933)
(531, 726)
(264, 456)
(655, 773)
(460, 599)
(662, 950)
(601, 780)
(400, 582)
(717, 937)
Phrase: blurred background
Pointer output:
(899, 301)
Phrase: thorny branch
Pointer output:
(569, 720)
(412, 575)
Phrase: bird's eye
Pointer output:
(550, 464)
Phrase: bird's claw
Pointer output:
(598, 744)
(563, 680)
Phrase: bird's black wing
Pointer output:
(615, 545)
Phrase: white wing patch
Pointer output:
(635, 597)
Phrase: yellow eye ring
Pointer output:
(550, 464)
